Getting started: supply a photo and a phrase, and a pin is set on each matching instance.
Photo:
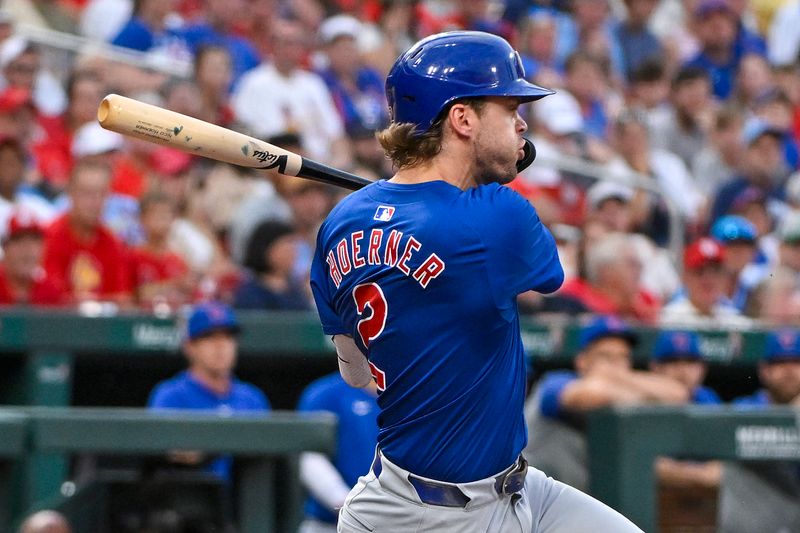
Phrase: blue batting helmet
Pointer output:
(459, 64)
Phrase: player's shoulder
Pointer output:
(351, 203)
(496, 197)
(170, 392)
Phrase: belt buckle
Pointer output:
(514, 480)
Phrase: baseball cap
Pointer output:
(92, 139)
(23, 222)
(560, 113)
(209, 317)
(14, 98)
(677, 345)
(782, 345)
(704, 7)
(733, 228)
(339, 26)
(789, 228)
(704, 251)
(608, 190)
(755, 128)
(606, 326)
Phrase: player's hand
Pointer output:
(186, 457)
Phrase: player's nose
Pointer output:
(522, 126)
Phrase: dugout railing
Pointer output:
(623, 444)
(263, 445)
(51, 359)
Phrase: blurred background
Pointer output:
(668, 172)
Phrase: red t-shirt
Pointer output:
(148, 267)
(43, 292)
(94, 268)
(644, 307)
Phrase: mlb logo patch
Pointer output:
(384, 213)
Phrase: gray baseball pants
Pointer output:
(390, 503)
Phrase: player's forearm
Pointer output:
(683, 474)
(353, 364)
(322, 480)
(652, 388)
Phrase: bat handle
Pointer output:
(333, 176)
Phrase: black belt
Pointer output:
(447, 495)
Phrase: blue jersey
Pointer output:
(357, 413)
(185, 392)
(424, 277)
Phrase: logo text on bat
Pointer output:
(272, 160)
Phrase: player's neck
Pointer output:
(454, 170)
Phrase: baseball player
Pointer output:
(416, 279)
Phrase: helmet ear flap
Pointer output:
(530, 154)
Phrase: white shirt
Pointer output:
(269, 103)
(682, 313)
(783, 40)
(672, 177)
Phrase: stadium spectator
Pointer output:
(684, 131)
(14, 194)
(776, 109)
(209, 384)
(635, 154)
(762, 167)
(764, 495)
(604, 376)
(612, 282)
(586, 79)
(17, 115)
(80, 253)
(776, 301)
(743, 264)
(789, 247)
(45, 522)
(610, 211)
(637, 42)
(722, 48)
(22, 279)
(158, 275)
(212, 72)
(357, 90)
(280, 96)
(703, 302)
(271, 257)
(649, 90)
(329, 479)
(218, 28)
(538, 36)
(720, 158)
(753, 80)
(53, 151)
(589, 29)
(147, 30)
(21, 66)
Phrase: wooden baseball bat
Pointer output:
(162, 126)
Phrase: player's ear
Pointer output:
(461, 118)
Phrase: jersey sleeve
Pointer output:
(552, 386)
(323, 293)
(522, 253)
(164, 397)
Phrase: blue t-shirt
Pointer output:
(357, 414)
(243, 55)
(185, 392)
(759, 398)
(424, 278)
(703, 395)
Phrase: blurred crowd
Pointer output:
(685, 113)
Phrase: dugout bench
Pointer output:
(260, 442)
(624, 442)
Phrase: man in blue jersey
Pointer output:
(416, 279)
(209, 384)
(328, 481)
(765, 495)
(604, 377)
(676, 354)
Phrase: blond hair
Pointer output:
(407, 149)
